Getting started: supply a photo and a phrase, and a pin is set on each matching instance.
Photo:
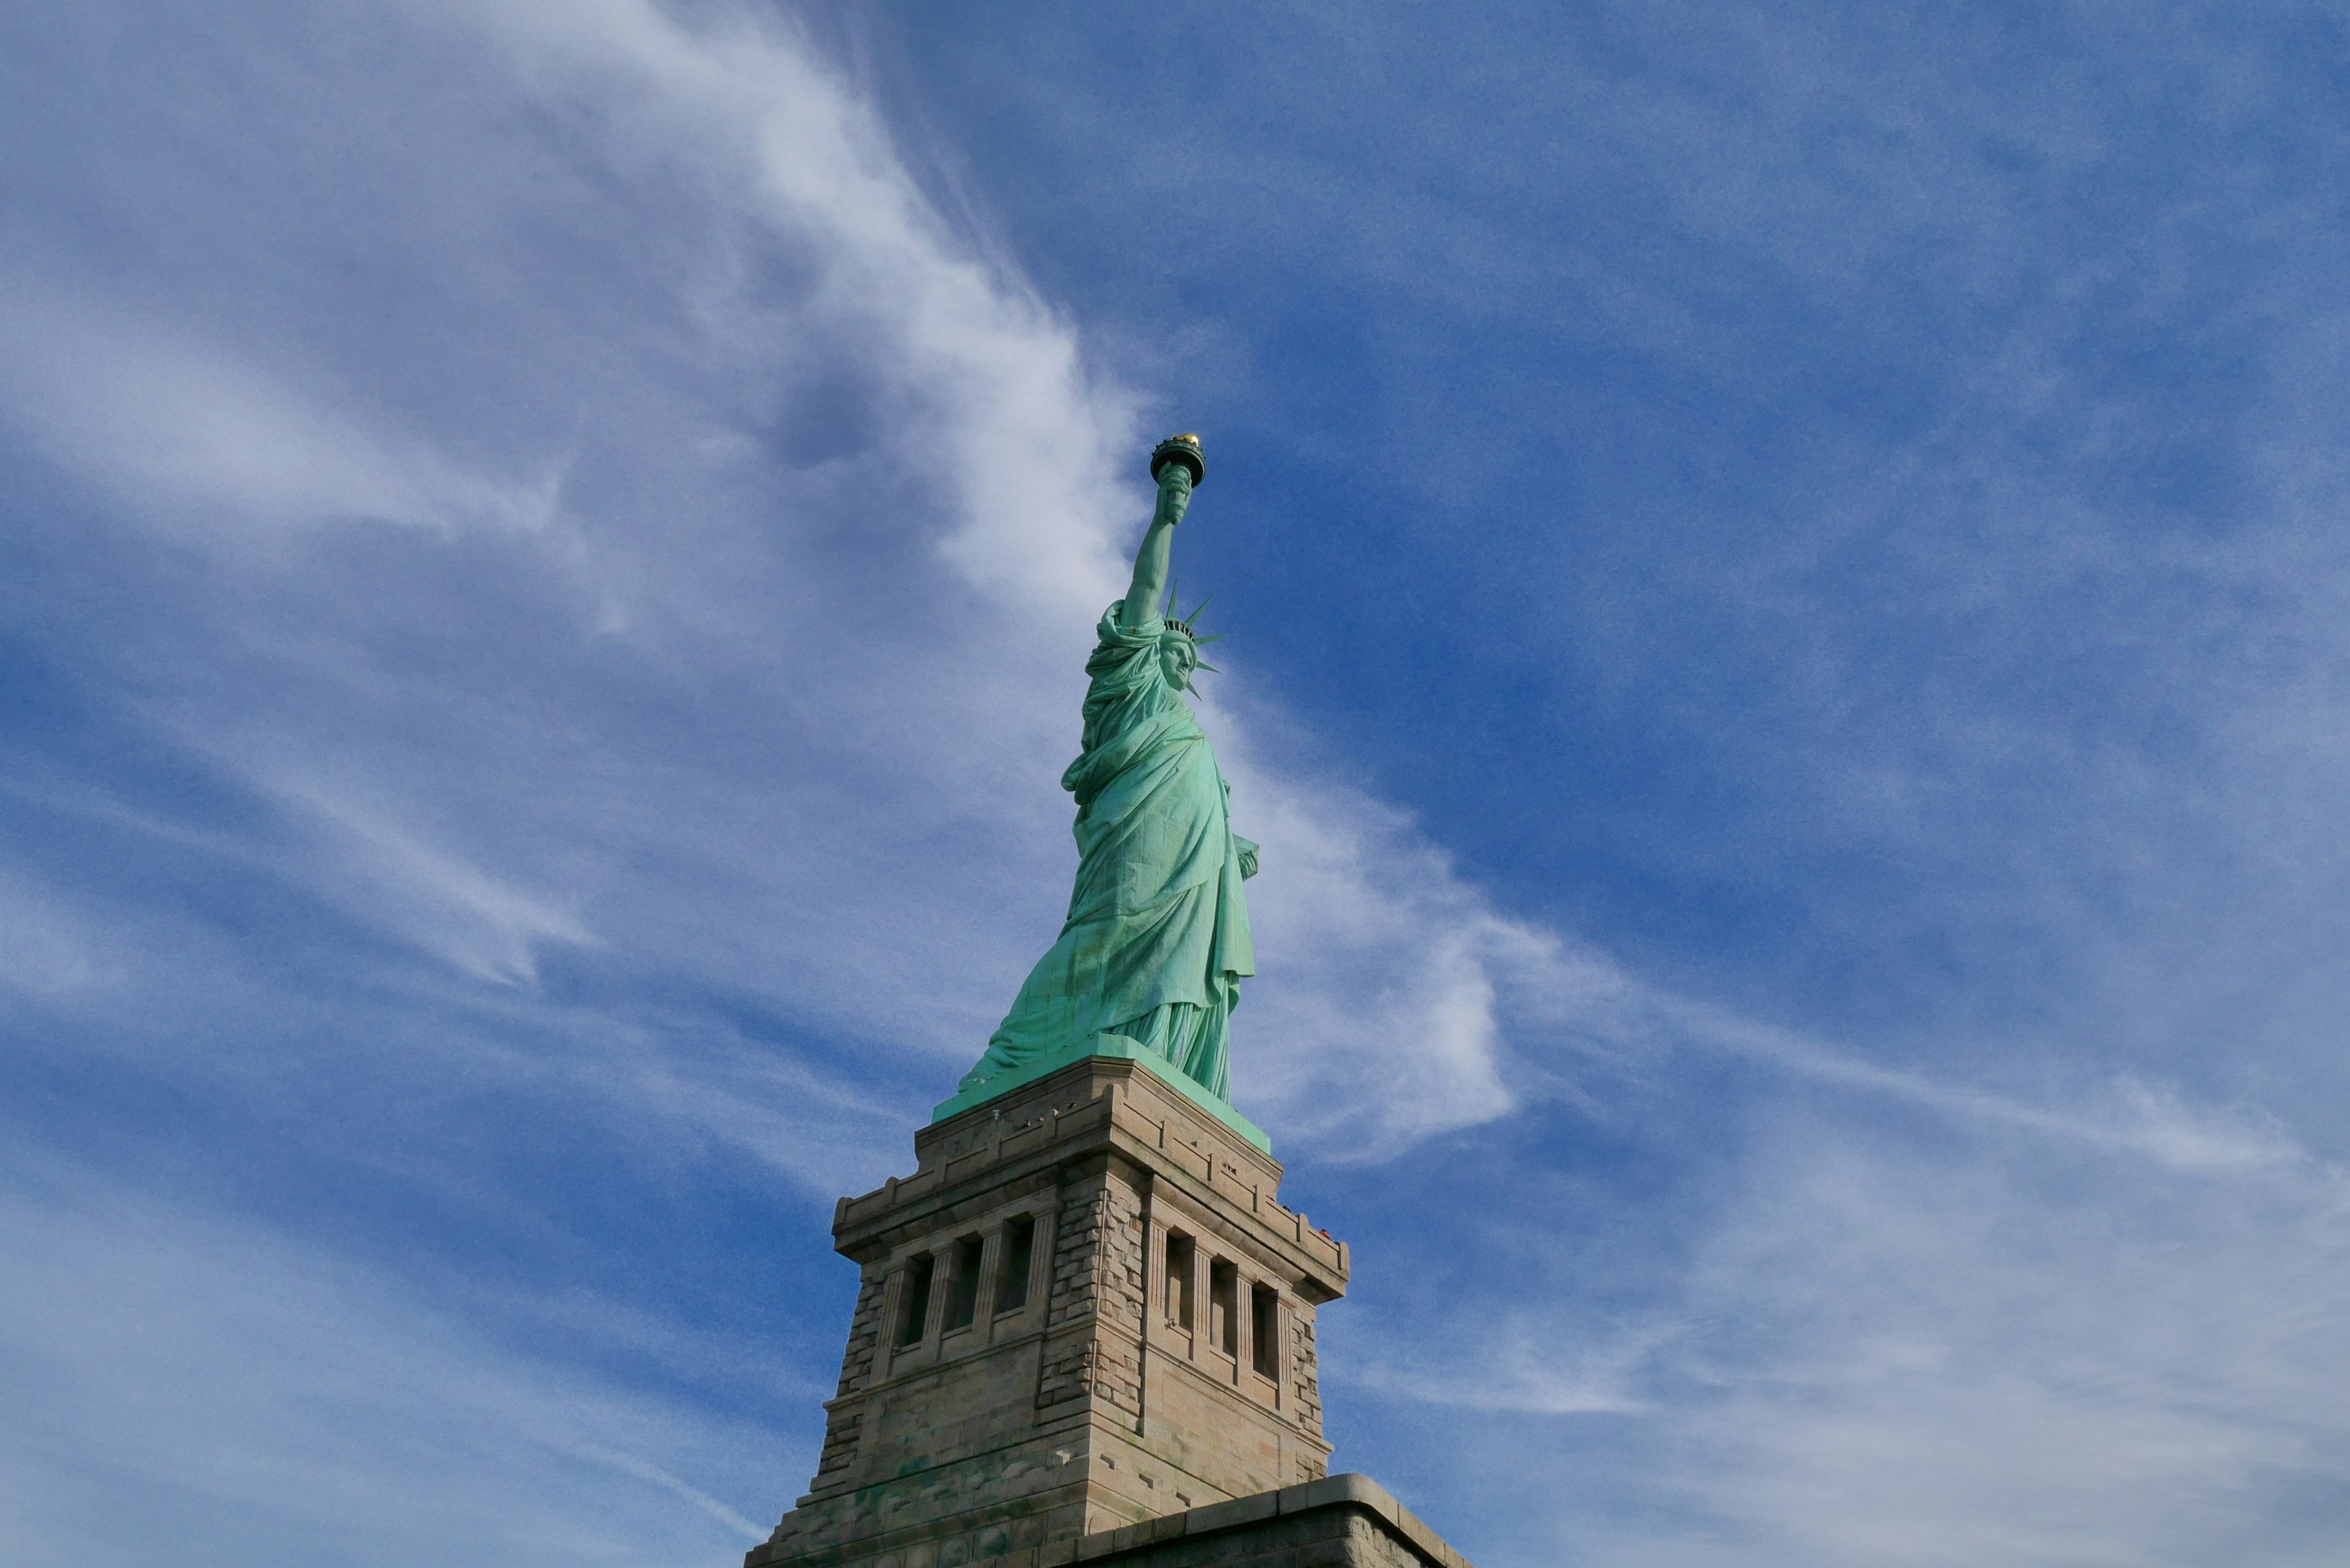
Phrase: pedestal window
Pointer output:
(1011, 1280)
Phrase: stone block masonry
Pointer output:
(1085, 1310)
(1344, 1522)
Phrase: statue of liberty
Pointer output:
(1150, 959)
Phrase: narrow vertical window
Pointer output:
(1224, 1306)
(1264, 1330)
(962, 1284)
(914, 1311)
(1012, 1275)
(1180, 1254)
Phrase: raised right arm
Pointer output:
(1150, 562)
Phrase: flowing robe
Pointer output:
(1157, 938)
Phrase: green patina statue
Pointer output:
(1150, 962)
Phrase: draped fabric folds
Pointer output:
(1157, 938)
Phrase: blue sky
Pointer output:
(1787, 579)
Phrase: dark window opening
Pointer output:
(1179, 1254)
(1224, 1306)
(1011, 1279)
(1264, 1330)
(914, 1311)
(962, 1288)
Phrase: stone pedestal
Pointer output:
(1345, 1522)
(1085, 1311)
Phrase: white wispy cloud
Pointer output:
(175, 1367)
(195, 437)
(2001, 1355)
(46, 946)
(893, 814)
(456, 910)
(744, 544)
(1864, 1347)
(2152, 1121)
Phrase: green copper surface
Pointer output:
(1149, 961)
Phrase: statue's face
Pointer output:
(1177, 657)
